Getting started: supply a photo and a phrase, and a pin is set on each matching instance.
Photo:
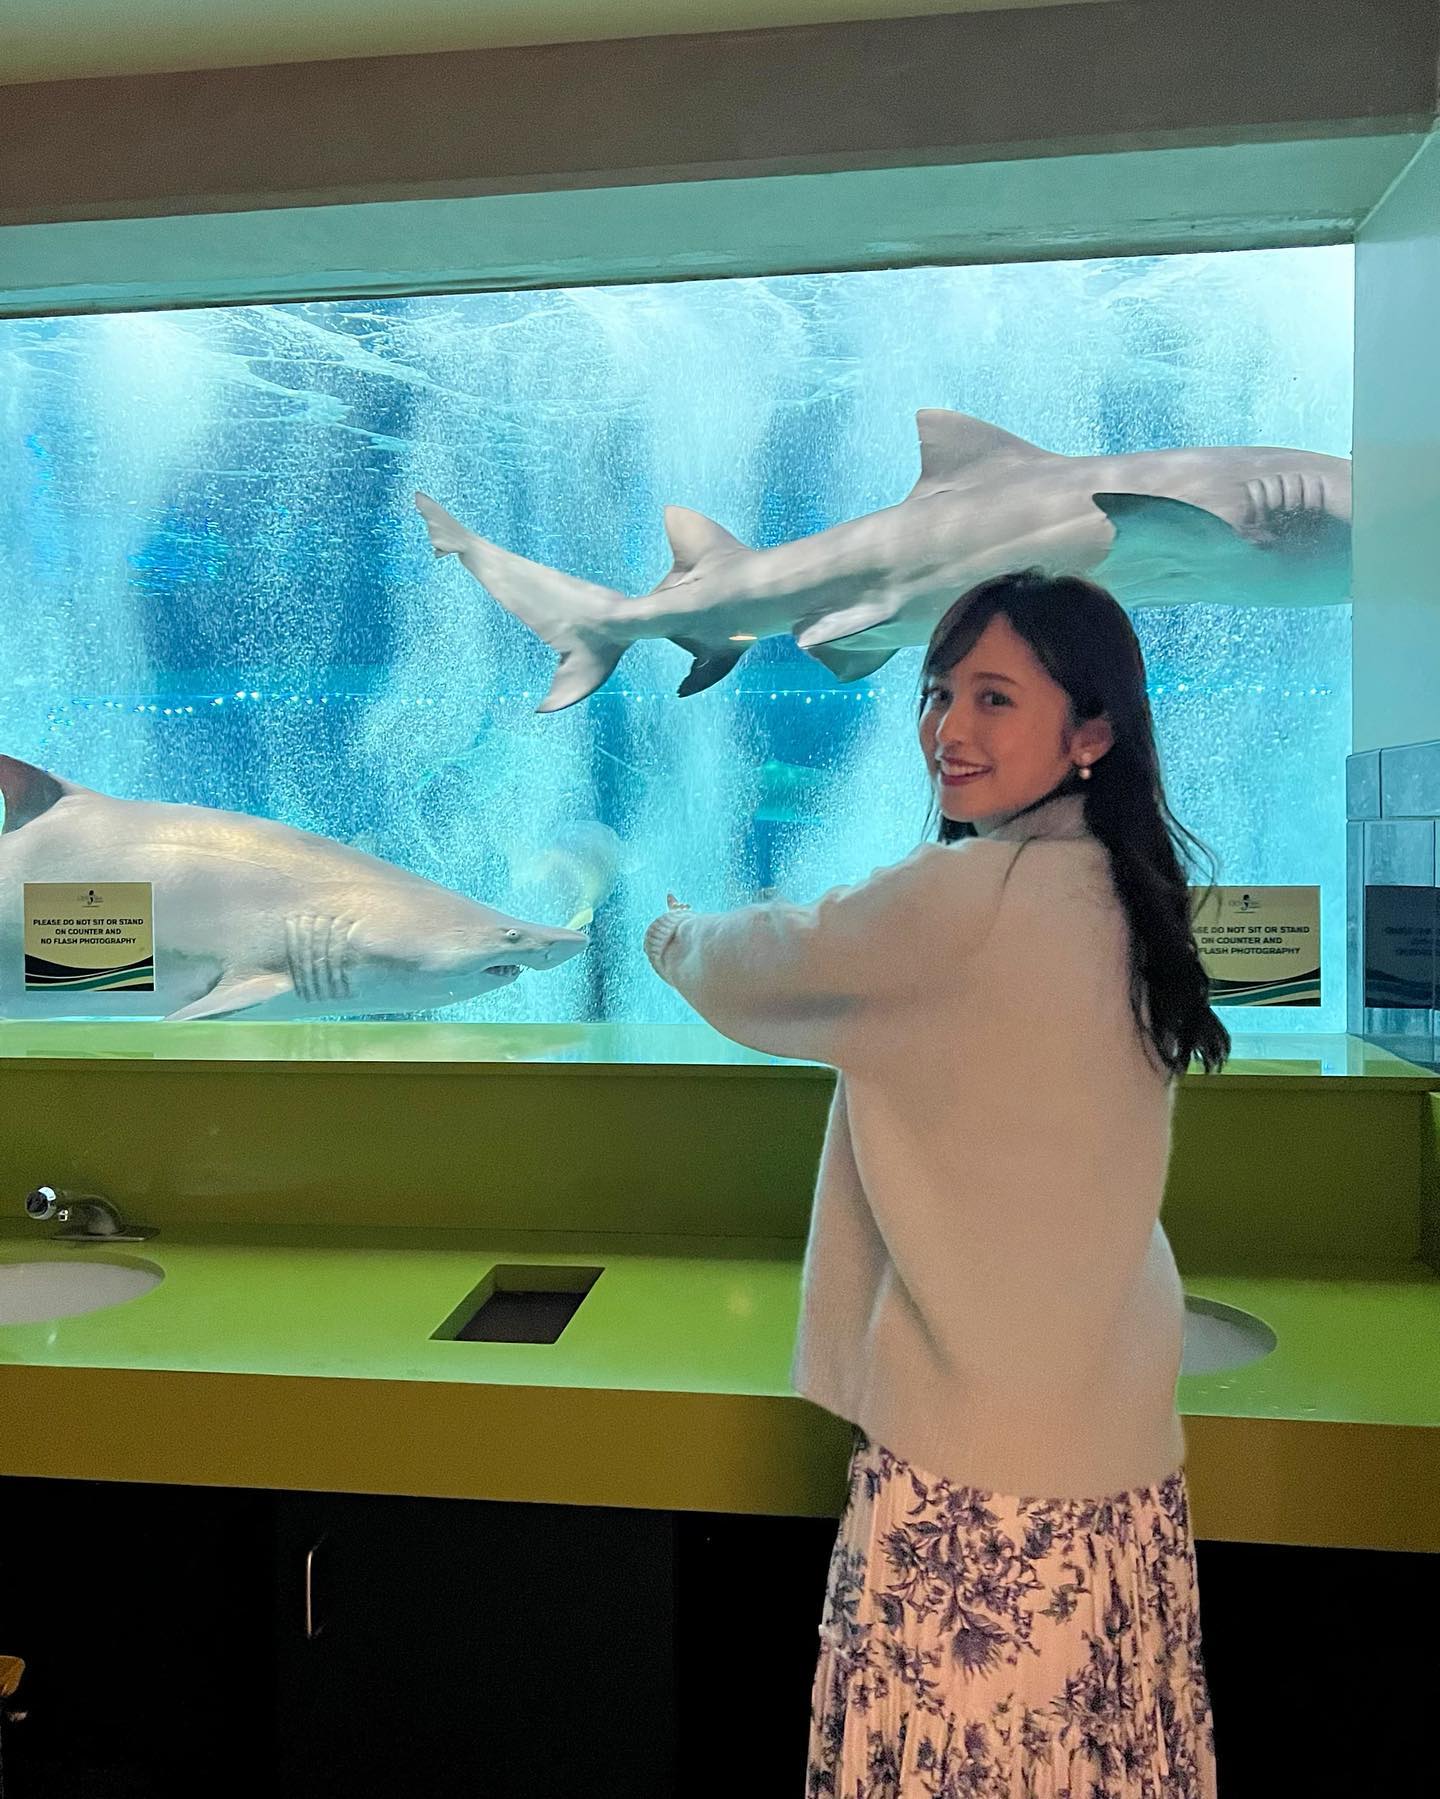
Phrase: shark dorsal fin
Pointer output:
(29, 792)
(692, 536)
(952, 442)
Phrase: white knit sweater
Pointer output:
(987, 1289)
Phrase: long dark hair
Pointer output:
(1082, 638)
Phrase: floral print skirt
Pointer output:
(978, 1646)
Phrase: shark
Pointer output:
(253, 916)
(1224, 526)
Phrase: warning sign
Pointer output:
(89, 939)
(1260, 946)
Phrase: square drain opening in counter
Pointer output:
(520, 1302)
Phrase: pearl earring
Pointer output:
(1084, 771)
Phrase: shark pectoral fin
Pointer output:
(1134, 512)
(849, 621)
(1166, 546)
(235, 992)
(585, 916)
(953, 442)
(847, 664)
(711, 664)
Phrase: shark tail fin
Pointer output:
(582, 620)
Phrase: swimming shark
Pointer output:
(254, 916)
(1237, 526)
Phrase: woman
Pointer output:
(988, 1295)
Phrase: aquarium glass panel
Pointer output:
(220, 594)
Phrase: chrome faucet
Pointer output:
(88, 1217)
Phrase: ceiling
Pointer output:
(1215, 197)
(55, 40)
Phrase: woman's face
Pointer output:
(999, 714)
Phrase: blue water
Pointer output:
(218, 590)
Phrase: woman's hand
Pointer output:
(661, 929)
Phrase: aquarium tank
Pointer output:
(220, 594)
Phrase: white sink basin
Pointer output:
(1218, 1337)
(34, 1292)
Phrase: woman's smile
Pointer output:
(960, 774)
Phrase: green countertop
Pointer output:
(336, 1329)
(681, 1315)
(678, 1315)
